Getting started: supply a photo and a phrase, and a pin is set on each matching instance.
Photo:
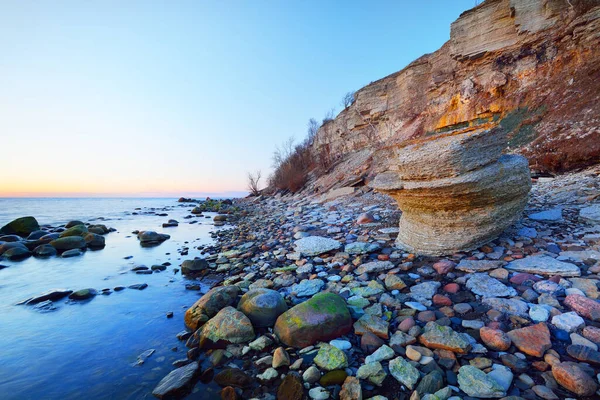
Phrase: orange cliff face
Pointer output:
(531, 67)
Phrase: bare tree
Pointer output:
(348, 99)
(253, 182)
(328, 116)
(312, 128)
(283, 152)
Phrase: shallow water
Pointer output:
(86, 349)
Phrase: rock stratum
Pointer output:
(528, 66)
(456, 192)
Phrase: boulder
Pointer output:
(321, 318)
(574, 378)
(21, 226)
(4, 247)
(52, 295)
(16, 253)
(262, 306)
(209, 305)
(83, 294)
(456, 192)
(151, 238)
(94, 240)
(194, 266)
(178, 383)
(228, 326)
(73, 223)
(77, 230)
(68, 243)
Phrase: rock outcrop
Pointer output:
(530, 67)
(456, 192)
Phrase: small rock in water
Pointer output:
(143, 357)
(138, 286)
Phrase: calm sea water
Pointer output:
(87, 349)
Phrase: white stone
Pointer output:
(569, 322)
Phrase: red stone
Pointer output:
(533, 340)
(443, 267)
(583, 306)
(574, 378)
(521, 277)
(405, 325)
(365, 218)
(426, 316)
(441, 300)
(592, 333)
(383, 257)
(451, 288)
(495, 339)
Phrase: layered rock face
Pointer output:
(456, 192)
(529, 66)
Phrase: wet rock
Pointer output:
(151, 238)
(574, 378)
(95, 241)
(73, 223)
(178, 383)
(233, 377)
(194, 266)
(404, 372)
(16, 253)
(443, 337)
(77, 230)
(138, 286)
(315, 245)
(83, 294)
(322, 317)
(71, 253)
(476, 383)
(69, 243)
(210, 304)
(262, 306)
(21, 226)
(544, 265)
(44, 250)
(533, 340)
(227, 326)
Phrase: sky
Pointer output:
(181, 98)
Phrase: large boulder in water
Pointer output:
(228, 326)
(262, 306)
(94, 240)
(194, 266)
(210, 304)
(4, 247)
(77, 230)
(21, 226)
(44, 250)
(68, 243)
(151, 238)
(321, 318)
(16, 253)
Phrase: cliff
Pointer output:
(530, 66)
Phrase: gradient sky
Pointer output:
(181, 97)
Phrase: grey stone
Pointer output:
(544, 265)
(315, 245)
(590, 214)
(478, 265)
(569, 321)
(361, 248)
(177, 383)
(307, 287)
(508, 306)
(476, 383)
(374, 266)
(485, 285)
(549, 215)
(404, 372)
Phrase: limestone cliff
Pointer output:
(530, 66)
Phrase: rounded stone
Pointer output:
(495, 339)
(262, 306)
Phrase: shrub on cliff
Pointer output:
(291, 165)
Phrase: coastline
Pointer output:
(507, 289)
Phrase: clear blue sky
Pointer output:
(181, 97)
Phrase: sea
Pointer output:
(90, 349)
